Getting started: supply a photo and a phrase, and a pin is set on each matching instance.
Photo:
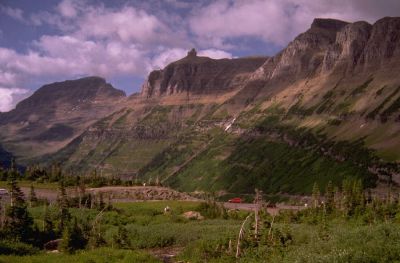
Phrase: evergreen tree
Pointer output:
(330, 197)
(102, 205)
(55, 172)
(48, 226)
(32, 197)
(19, 222)
(315, 195)
(62, 201)
(3, 174)
(72, 238)
(66, 242)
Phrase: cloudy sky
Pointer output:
(44, 41)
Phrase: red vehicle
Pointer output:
(236, 200)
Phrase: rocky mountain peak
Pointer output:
(332, 44)
(192, 53)
(199, 75)
(70, 91)
(328, 24)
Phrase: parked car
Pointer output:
(236, 200)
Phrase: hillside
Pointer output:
(323, 109)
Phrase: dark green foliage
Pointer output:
(330, 197)
(297, 109)
(334, 122)
(395, 106)
(328, 95)
(212, 209)
(19, 223)
(72, 238)
(62, 202)
(48, 225)
(380, 91)
(324, 106)
(8, 247)
(278, 167)
(121, 239)
(33, 200)
(360, 89)
(378, 109)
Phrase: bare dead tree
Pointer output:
(241, 236)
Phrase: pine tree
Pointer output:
(330, 197)
(315, 195)
(72, 238)
(62, 201)
(3, 174)
(48, 226)
(66, 242)
(32, 197)
(18, 222)
(102, 205)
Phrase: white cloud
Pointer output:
(127, 24)
(277, 21)
(215, 53)
(68, 8)
(15, 13)
(8, 97)
(167, 56)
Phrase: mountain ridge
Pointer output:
(335, 88)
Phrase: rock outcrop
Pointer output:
(200, 75)
(332, 45)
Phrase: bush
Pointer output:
(16, 248)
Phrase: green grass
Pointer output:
(310, 243)
(148, 226)
(336, 240)
(272, 166)
(101, 255)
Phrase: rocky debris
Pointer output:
(193, 215)
(52, 245)
(141, 193)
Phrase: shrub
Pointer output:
(16, 248)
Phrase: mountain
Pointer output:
(325, 108)
(171, 101)
(55, 114)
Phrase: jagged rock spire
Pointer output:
(192, 53)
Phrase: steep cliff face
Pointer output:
(332, 45)
(304, 54)
(55, 114)
(200, 75)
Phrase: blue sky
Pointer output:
(43, 41)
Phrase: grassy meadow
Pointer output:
(304, 237)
